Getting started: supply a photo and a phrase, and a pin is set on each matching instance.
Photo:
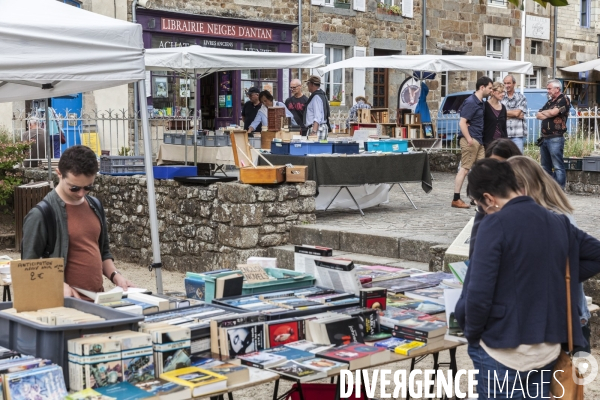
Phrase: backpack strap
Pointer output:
(50, 223)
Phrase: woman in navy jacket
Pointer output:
(513, 304)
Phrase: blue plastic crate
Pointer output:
(345, 148)
(299, 149)
(393, 146)
(280, 148)
(320, 148)
(172, 171)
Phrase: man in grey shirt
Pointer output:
(516, 108)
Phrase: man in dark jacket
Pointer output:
(81, 229)
(317, 106)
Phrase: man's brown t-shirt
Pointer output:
(84, 261)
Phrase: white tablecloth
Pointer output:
(366, 196)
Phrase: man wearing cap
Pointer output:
(317, 106)
(251, 108)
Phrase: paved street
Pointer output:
(434, 216)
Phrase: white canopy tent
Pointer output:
(432, 63)
(203, 61)
(51, 49)
(585, 66)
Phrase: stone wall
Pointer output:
(444, 161)
(200, 228)
(580, 182)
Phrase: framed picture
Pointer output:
(160, 87)
(185, 86)
(428, 130)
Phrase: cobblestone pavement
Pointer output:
(434, 216)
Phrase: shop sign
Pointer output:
(165, 44)
(215, 29)
(218, 43)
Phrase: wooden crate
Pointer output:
(373, 116)
(263, 174)
(26, 197)
(297, 173)
(274, 118)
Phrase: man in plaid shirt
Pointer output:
(516, 109)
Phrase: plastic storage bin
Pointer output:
(254, 142)
(573, 163)
(50, 342)
(122, 165)
(393, 146)
(591, 164)
(216, 141)
(291, 282)
(345, 148)
(172, 171)
(280, 148)
(320, 148)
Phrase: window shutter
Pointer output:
(359, 77)
(316, 48)
(359, 5)
(317, 2)
(506, 49)
(407, 8)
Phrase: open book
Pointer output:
(115, 294)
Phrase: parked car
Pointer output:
(448, 115)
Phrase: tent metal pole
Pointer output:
(156, 261)
(49, 144)
(196, 110)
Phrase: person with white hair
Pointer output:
(554, 116)
(38, 149)
(296, 104)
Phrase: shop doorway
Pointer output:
(380, 81)
(216, 100)
(208, 103)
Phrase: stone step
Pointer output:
(419, 248)
(285, 258)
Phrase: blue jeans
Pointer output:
(500, 380)
(519, 142)
(551, 154)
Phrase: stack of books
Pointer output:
(31, 378)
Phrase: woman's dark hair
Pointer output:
(78, 160)
(504, 148)
(493, 177)
(267, 94)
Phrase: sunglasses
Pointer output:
(76, 189)
(294, 87)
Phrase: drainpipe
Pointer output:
(299, 35)
(424, 28)
(554, 44)
(136, 137)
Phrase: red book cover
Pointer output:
(285, 332)
(352, 351)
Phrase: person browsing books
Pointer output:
(266, 99)
(537, 184)
(513, 304)
(81, 231)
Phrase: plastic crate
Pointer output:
(217, 141)
(280, 148)
(254, 142)
(122, 165)
(388, 146)
(591, 164)
(573, 163)
(345, 148)
(320, 148)
(50, 342)
(172, 171)
(281, 283)
(168, 138)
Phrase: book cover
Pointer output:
(245, 339)
(432, 294)
(45, 383)
(335, 263)
(88, 394)
(298, 371)
(427, 327)
(407, 348)
(234, 373)
(459, 269)
(368, 319)
(124, 391)
(290, 353)
(345, 331)
(391, 343)
(325, 365)
(229, 286)
(280, 333)
(427, 307)
(174, 359)
(313, 250)
(164, 389)
(262, 359)
(200, 380)
(350, 352)
(391, 316)
(147, 308)
(195, 288)
(311, 347)
(374, 297)
(404, 284)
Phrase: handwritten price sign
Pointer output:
(37, 284)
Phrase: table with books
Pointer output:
(351, 171)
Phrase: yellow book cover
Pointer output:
(196, 378)
(407, 348)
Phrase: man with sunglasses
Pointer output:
(80, 224)
(296, 104)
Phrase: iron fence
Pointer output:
(582, 124)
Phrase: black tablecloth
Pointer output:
(361, 169)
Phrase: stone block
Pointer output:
(221, 212)
(287, 192)
(307, 219)
(377, 244)
(417, 248)
(304, 205)
(266, 195)
(437, 260)
(238, 237)
(284, 256)
(247, 214)
(279, 209)
(205, 234)
(274, 239)
(236, 192)
(315, 236)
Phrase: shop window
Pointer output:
(534, 80)
(444, 84)
(584, 14)
(172, 95)
(334, 80)
(497, 3)
(497, 48)
(263, 79)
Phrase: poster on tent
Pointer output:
(409, 93)
(160, 87)
(185, 86)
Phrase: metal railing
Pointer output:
(106, 132)
(582, 123)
